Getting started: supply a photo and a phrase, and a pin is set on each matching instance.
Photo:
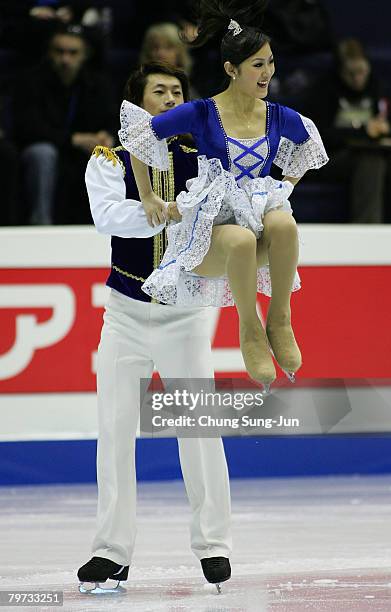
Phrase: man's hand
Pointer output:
(155, 209)
(89, 140)
(104, 138)
(173, 213)
(377, 126)
(84, 140)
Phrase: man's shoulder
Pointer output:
(112, 154)
(34, 78)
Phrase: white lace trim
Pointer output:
(201, 291)
(213, 198)
(138, 137)
(296, 159)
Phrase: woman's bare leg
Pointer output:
(233, 252)
(279, 247)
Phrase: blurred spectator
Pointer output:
(352, 117)
(62, 111)
(128, 17)
(29, 24)
(162, 43)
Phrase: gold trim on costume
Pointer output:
(157, 186)
(157, 239)
(188, 149)
(109, 154)
(163, 184)
(128, 275)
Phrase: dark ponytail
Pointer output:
(215, 16)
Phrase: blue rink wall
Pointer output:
(73, 461)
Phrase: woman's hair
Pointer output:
(215, 16)
(349, 49)
(170, 33)
(135, 85)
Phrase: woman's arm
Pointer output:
(300, 148)
(143, 136)
(292, 179)
(153, 205)
(183, 119)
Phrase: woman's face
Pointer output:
(162, 50)
(355, 73)
(254, 74)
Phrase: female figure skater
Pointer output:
(237, 235)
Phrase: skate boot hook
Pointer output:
(216, 570)
(99, 570)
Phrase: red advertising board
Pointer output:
(50, 321)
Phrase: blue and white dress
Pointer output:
(233, 185)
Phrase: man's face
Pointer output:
(67, 54)
(162, 92)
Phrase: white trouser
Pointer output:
(135, 336)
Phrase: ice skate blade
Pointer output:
(212, 588)
(266, 387)
(95, 588)
(290, 376)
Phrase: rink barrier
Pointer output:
(73, 461)
(52, 294)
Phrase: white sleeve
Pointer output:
(137, 136)
(295, 159)
(112, 213)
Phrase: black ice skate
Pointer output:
(216, 570)
(99, 570)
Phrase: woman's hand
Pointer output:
(155, 209)
(173, 213)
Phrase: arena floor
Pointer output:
(299, 544)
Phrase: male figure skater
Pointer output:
(138, 334)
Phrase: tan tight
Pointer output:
(235, 251)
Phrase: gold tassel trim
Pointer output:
(128, 275)
(109, 154)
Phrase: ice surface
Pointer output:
(299, 544)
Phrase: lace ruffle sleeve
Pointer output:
(296, 158)
(137, 136)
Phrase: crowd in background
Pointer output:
(63, 66)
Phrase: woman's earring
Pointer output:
(234, 77)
